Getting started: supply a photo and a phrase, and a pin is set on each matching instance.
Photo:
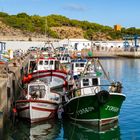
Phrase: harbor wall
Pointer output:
(10, 83)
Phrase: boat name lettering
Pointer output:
(84, 110)
(112, 108)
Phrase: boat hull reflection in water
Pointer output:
(76, 131)
(44, 131)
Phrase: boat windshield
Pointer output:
(37, 91)
(79, 65)
(41, 62)
(85, 82)
(94, 81)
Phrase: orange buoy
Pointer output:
(29, 77)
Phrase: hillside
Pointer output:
(68, 32)
(25, 27)
(10, 33)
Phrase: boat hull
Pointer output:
(36, 110)
(89, 110)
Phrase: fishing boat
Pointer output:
(48, 70)
(93, 102)
(39, 104)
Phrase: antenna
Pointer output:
(46, 27)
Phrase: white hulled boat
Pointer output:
(39, 104)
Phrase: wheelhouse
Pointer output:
(89, 84)
(64, 58)
(48, 64)
(37, 90)
(78, 66)
(40, 91)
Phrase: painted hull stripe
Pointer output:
(44, 109)
(37, 120)
(94, 120)
(44, 71)
(46, 75)
(36, 101)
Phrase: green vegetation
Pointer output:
(42, 25)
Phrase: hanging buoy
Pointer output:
(14, 110)
(60, 112)
(25, 79)
(65, 83)
(90, 54)
(29, 77)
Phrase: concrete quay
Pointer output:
(113, 53)
(10, 82)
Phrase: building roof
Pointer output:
(75, 40)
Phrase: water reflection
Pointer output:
(76, 131)
(1, 125)
(43, 131)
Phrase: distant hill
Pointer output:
(57, 26)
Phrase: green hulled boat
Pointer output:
(93, 103)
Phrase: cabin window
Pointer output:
(77, 65)
(51, 62)
(72, 67)
(95, 81)
(45, 62)
(81, 64)
(57, 65)
(37, 91)
(40, 62)
(85, 82)
(62, 58)
(65, 58)
(75, 46)
(32, 66)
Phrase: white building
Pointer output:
(76, 44)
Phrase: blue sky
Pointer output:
(105, 12)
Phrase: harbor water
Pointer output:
(121, 69)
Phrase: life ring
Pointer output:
(103, 96)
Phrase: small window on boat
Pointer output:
(77, 65)
(62, 58)
(37, 91)
(40, 62)
(56, 65)
(51, 62)
(81, 64)
(66, 58)
(95, 81)
(72, 66)
(45, 62)
(85, 82)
